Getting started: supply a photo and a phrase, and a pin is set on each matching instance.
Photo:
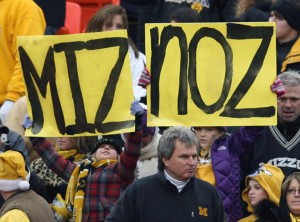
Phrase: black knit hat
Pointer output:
(290, 12)
(114, 140)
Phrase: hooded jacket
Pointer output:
(269, 177)
(225, 158)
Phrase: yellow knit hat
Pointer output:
(269, 177)
(13, 175)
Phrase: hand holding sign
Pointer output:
(277, 87)
(145, 78)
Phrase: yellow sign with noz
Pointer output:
(211, 74)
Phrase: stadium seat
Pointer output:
(90, 7)
(73, 19)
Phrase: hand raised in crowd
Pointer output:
(136, 108)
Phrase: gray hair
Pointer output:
(168, 140)
(286, 183)
(290, 78)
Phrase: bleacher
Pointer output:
(79, 12)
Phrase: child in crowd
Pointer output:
(95, 184)
(219, 162)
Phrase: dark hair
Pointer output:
(167, 142)
(185, 15)
(115, 140)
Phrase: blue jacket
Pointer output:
(225, 157)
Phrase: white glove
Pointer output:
(4, 110)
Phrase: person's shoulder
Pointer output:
(24, 3)
(147, 179)
(203, 184)
(17, 214)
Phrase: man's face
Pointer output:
(284, 32)
(182, 164)
(289, 104)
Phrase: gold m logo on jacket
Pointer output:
(203, 211)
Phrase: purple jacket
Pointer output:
(225, 154)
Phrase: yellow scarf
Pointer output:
(72, 153)
(76, 187)
(294, 219)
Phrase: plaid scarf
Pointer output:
(76, 187)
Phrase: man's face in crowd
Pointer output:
(284, 32)
(289, 104)
(182, 164)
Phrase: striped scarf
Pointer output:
(76, 187)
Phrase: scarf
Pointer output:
(150, 150)
(72, 155)
(204, 157)
(76, 187)
(294, 218)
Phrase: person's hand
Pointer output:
(27, 122)
(4, 110)
(277, 87)
(136, 108)
(145, 78)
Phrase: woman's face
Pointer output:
(256, 193)
(115, 23)
(65, 143)
(293, 197)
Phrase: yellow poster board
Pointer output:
(211, 74)
(77, 84)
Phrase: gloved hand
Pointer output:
(277, 87)
(145, 78)
(27, 122)
(4, 110)
(136, 108)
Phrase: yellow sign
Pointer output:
(211, 74)
(77, 84)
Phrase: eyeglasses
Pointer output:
(293, 191)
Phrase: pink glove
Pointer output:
(145, 78)
(277, 87)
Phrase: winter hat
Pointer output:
(290, 12)
(147, 130)
(114, 140)
(269, 177)
(13, 175)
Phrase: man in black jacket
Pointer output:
(173, 194)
